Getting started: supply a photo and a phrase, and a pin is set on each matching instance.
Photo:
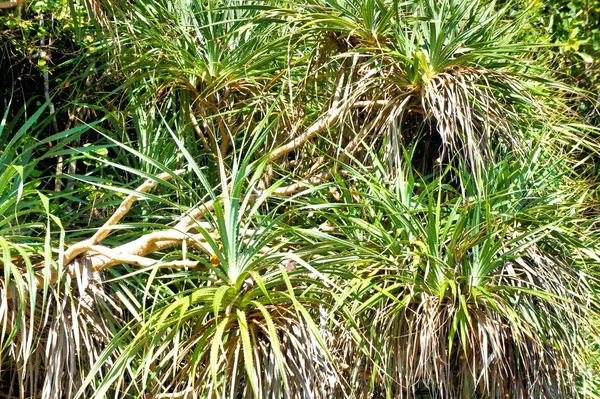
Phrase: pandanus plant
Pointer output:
(245, 320)
(357, 198)
(478, 296)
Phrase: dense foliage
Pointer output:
(323, 198)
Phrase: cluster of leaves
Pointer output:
(355, 199)
(574, 26)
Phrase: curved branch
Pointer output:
(135, 260)
(83, 246)
(324, 123)
(105, 230)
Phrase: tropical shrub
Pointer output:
(459, 296)
(299, 199)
